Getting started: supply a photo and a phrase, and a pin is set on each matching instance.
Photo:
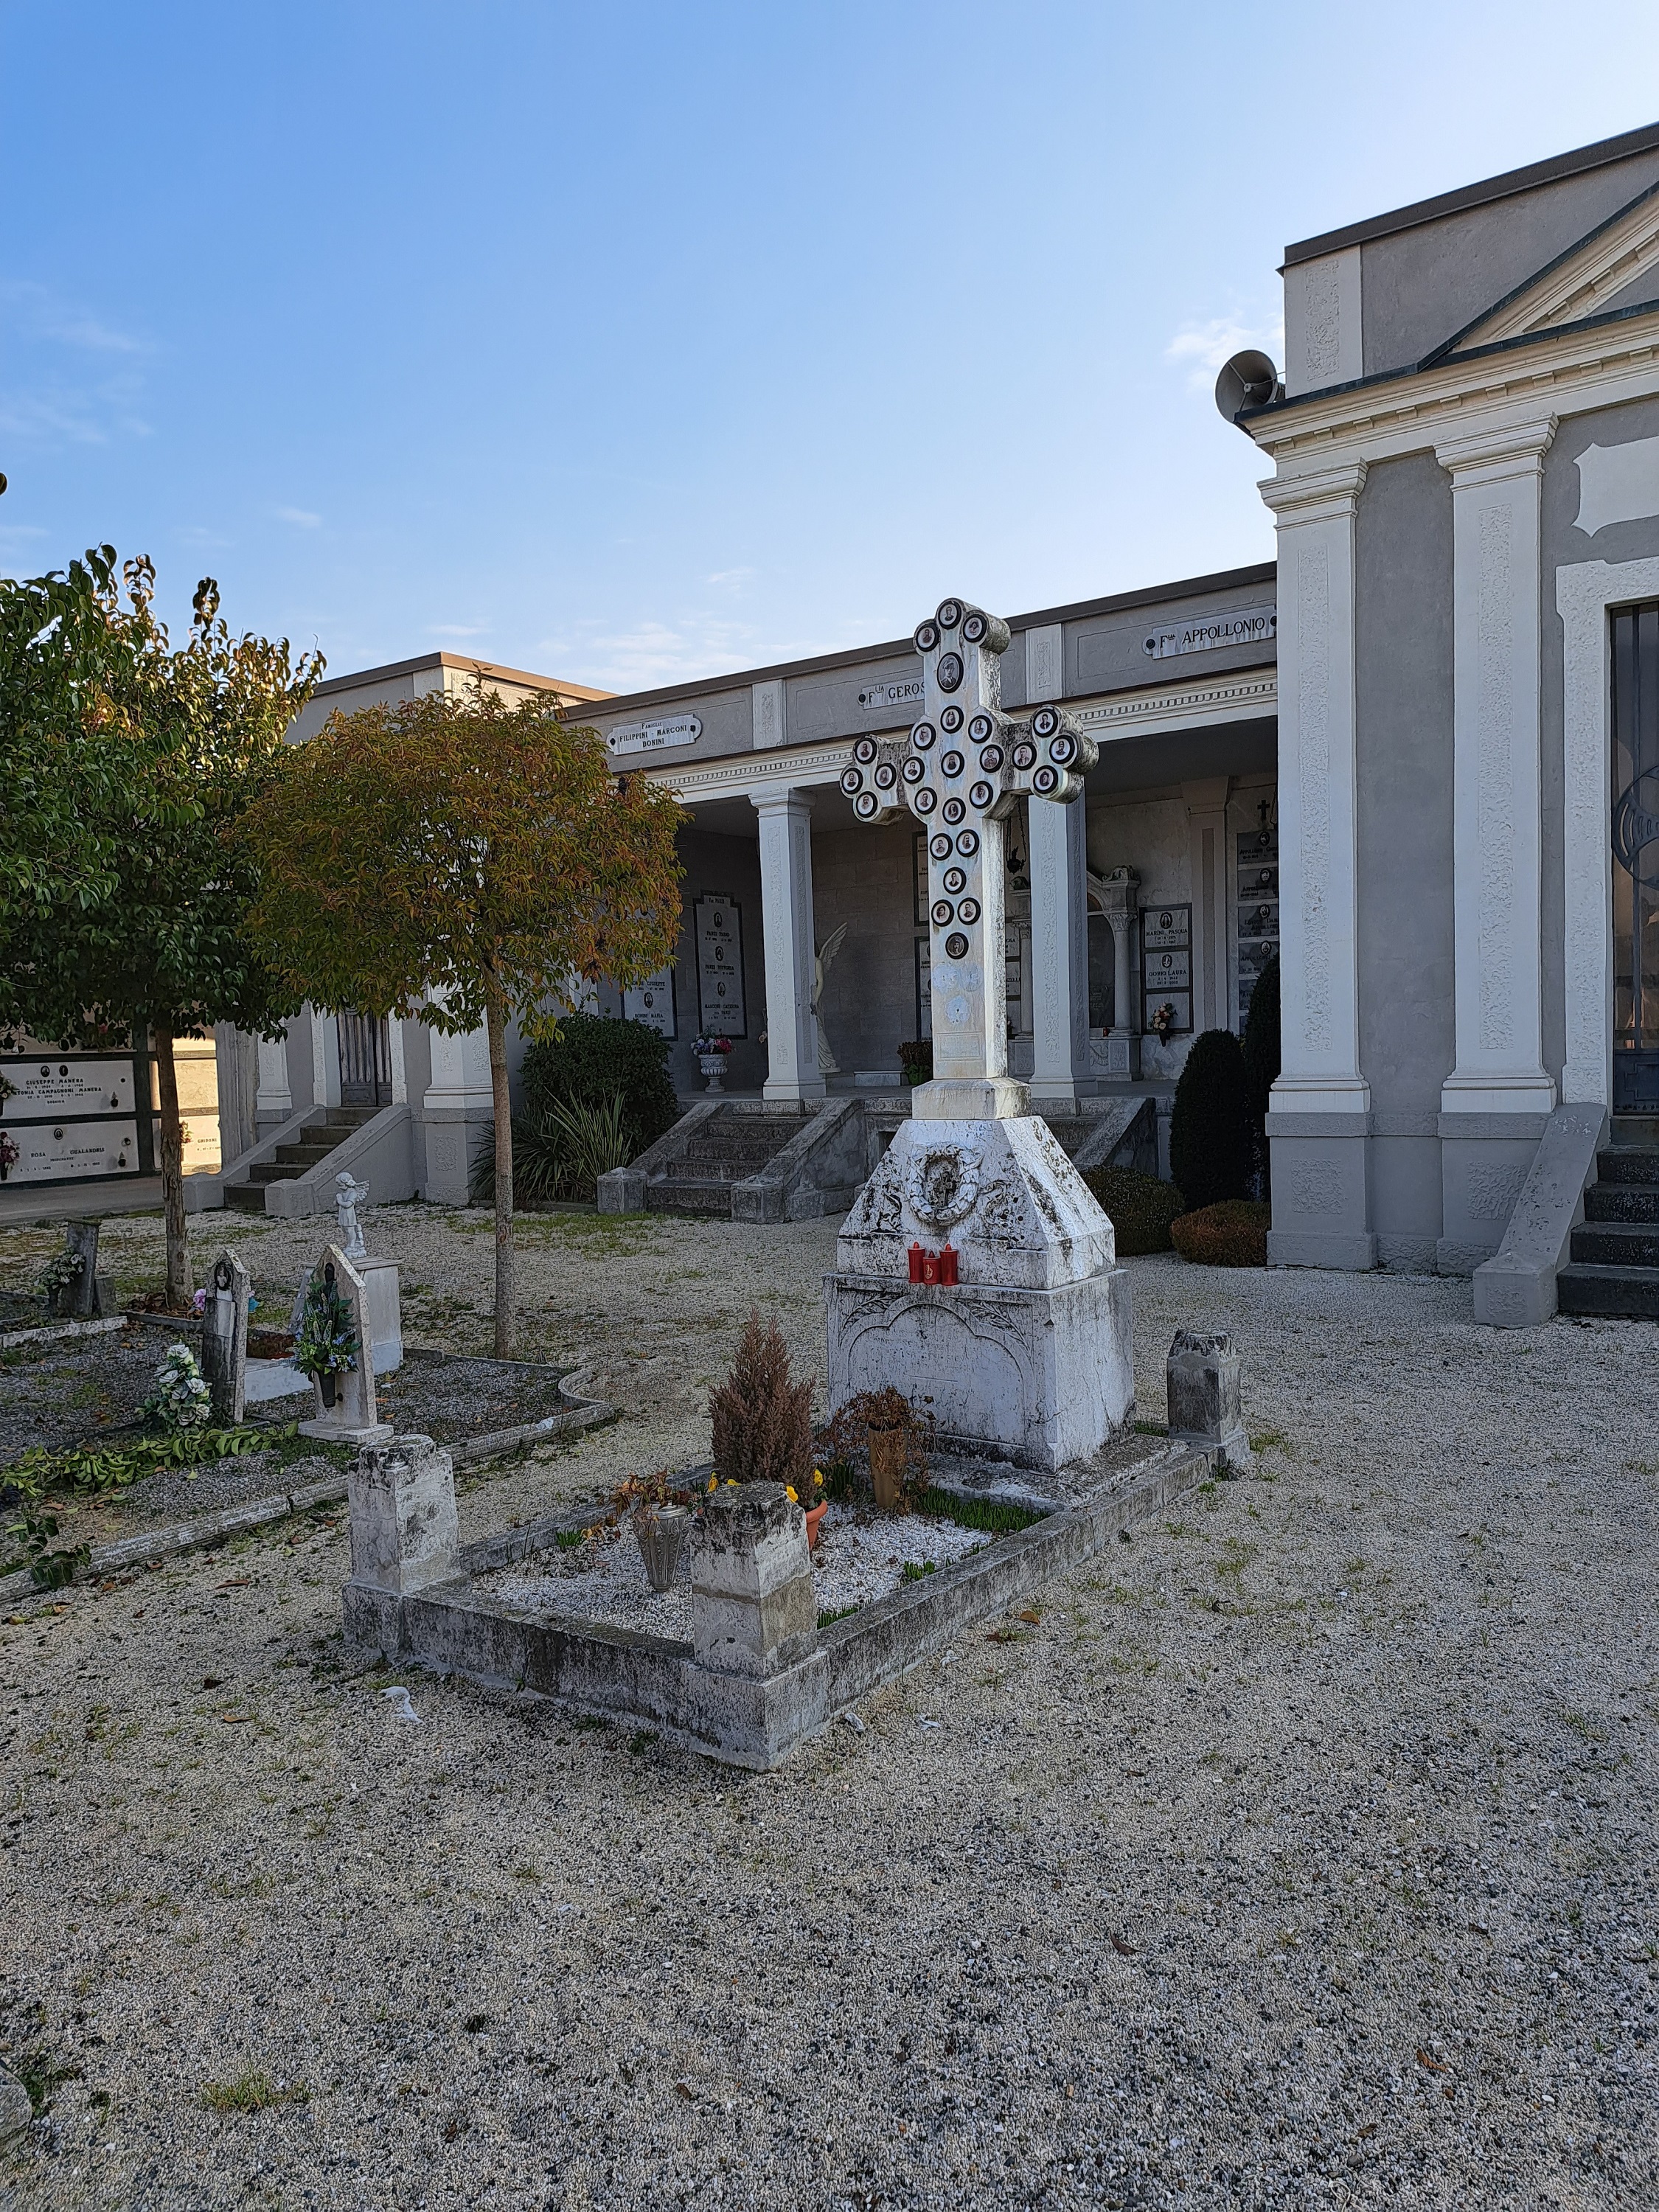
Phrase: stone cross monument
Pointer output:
(962, 771)
(1017, 1339)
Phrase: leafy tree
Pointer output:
(1209, 1124)
(463, 860)
(168, 749)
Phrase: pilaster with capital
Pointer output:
(793, 1075)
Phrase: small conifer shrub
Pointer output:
(762, 1422)
(1232, 1234)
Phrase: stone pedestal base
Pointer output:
(1045, 1375)
(401, 1500)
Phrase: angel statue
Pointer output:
(822, 963)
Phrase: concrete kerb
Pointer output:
(206, 1529)
(61, 1332)
(751, 1721)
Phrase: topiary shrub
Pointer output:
(1210, 1148)
(1261, 1048)
(594, 1060)
(916, 1061)
(1260, 1044)
(1233, 1234)
(1140, 1207)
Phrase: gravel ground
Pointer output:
(860, 1556)
(1300, 1854)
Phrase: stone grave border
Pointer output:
(152, 1546)
(753, 1721)
(61, 1332)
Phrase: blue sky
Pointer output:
(633, 342)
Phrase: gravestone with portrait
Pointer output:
(977, 1273)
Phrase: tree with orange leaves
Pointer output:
(464, 861)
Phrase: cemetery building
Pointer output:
(1418, 756)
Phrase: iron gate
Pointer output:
(365, 1061)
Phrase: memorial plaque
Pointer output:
(1166, 964)
(653, 1003)
(57, 1151)
(719, 967)
(53, 1084)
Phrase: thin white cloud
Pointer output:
(456, 629)
(37, 313)
(650, 653)
(302, 517)
(730, 579)
(202, 540)
(1204, 348)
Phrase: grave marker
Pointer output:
(351, 1417)
(224, 1339)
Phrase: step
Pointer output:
(345, 1118)
(1627, 1163)
(275, 1171)
(1617, 1243)
(1622, 1201)
(244, 1197)
(1616, 1293)
(308, 1155)
(1640, 1131)
(688, 1195)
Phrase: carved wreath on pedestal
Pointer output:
(941, 1184)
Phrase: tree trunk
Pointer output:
(495, 1029)
(180, 1284)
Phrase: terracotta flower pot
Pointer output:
(814, 1521)
(887, 1457)
(660, 1533)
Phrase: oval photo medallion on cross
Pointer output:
(949, 671)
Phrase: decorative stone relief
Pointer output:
(1317, 1190)
(942, 1184)
(1491, 1192)
(1323, 324)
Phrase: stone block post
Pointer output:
(1203, 1380)
(81, 1242)
(751, 1580)
(224, 1339)
(401, 1500)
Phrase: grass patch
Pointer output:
(1152, 1428)
(567, 1538)
(252, 2092)
(845, 1613)
(914, 1570)
(995, 1514)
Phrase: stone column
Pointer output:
(785, 863)
(325, 1058)
(1118, 899)
(1497, 480)
(457, 1100)
(1206, 821)
(273, 1097)
(1321, 1105)
(1494, 1103)
(1060, 958)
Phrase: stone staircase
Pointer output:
(726, 1149)
(1614, 1264)
(318, 1138)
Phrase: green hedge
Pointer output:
(916, 1060)
(1233, 1234)
(1140, 1207)
(595, 1059)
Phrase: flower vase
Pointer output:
(889, 1455)
(814, 1521)
(713, 1064)
(328, 1384)
(661, 1532)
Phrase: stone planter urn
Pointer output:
(713, 1064)
(889, 1456)
(661, 1532)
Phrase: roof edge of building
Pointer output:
(736, 679)
(1574, 163)
(359, 677)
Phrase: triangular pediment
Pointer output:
(1587, 279)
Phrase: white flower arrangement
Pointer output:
(181, 1398)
